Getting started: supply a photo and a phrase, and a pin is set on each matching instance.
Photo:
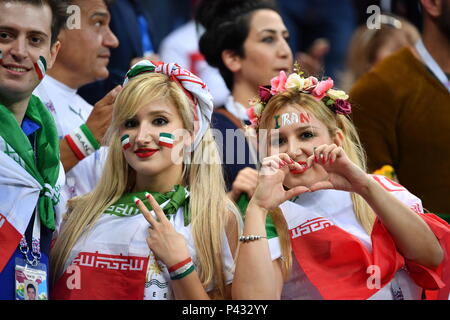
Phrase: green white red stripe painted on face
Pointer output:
(125, 142)
(41, 67)
(166, 140)
(1, 57)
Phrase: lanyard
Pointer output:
(36, 236)
(432, 64)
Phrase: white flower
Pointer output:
(337, 94)
(294, 81)
(259, 107)
(310, 81)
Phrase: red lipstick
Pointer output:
(145, 152)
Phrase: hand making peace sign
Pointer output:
(167, 244)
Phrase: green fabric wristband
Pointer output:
(90, 136)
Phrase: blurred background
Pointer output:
(325, 37)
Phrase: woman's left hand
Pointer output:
(343, 174)
(167, 244)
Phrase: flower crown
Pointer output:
(323, 90)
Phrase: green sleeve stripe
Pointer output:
(270, 227)
(90, 136)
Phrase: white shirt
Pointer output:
(70, 111)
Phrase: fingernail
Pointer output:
(147, 195)
(136, 200)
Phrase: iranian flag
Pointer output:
(166, 140)
(9, 239)
(41, 67)
(125, 142)
(19, 193)
(332, 253)
(100, 276)
(339, 265)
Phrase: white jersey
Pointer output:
(70, 111)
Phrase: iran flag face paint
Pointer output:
(125, 142)
(41, 67)
(1, 57)
(166, 140)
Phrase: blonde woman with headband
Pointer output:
(348, 235)
(182, 249)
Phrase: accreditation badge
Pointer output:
(31, 281)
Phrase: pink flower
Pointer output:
(343, 107)
(322, 87)
(264, 94)
(252, 116)
(278, 83)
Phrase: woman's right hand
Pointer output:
(270, 192)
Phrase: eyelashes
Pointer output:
(134, 123)
(306, 135)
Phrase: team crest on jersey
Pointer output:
(310, 226)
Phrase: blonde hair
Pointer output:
(351, 145)
(208, 203)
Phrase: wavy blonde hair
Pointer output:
(204, 178)
(351, 145)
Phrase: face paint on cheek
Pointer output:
(125, 140)
(166, 140)
(1, 57)
(40, 67)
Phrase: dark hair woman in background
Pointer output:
(247, 42)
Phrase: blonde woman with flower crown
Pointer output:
(113, 245)
(348, 235)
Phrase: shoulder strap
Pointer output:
(229, 116)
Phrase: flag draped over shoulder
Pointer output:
(28, 179)
(341, 262)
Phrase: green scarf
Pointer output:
(46, 169)
(125, 206)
